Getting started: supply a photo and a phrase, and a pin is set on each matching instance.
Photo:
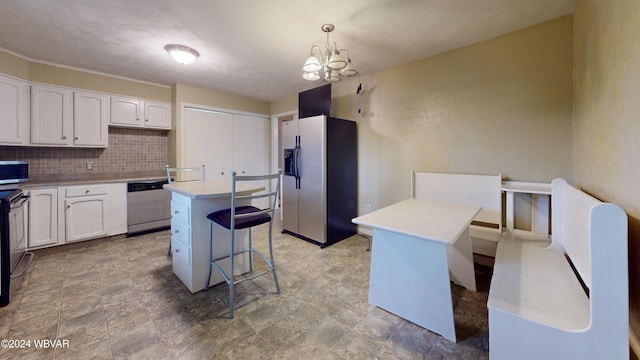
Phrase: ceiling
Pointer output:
(254, 48)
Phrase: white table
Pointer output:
(418, 247)
(191, 202)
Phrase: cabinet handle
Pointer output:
(176, 232)
(176, 212)
(243, 171)
(68, 206)
(75, 138)
(86, 191)
(177, 250)
(63, 137)
(146, 119)
(222, 173)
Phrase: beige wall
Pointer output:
(57, 75)
(14, 65)
(607, 124)
(501, 106)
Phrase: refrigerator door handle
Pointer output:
(296, 158)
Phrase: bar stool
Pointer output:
(244, 217)
(177, 174)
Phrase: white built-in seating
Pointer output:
(538, 308)
(483, 190)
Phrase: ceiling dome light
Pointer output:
(182, 54)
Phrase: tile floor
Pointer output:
(117, 298)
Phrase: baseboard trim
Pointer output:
(365, 231)
(634, 343)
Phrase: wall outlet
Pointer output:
(367, 208)
(89, 166)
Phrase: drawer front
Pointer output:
(86, 190)
(180, 212)
(180, 232)
(181, 260)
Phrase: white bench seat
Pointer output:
(537, 306)
(548, 290)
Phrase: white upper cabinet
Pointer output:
(132, 112)
(157, 115)
(90, 119)
(62, 117)
(14, 111)
(51, 115)
(125, 111)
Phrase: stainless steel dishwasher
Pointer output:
(148, 206)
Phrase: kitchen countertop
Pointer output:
(210, 189)
(53, 180)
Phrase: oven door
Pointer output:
(18, 225)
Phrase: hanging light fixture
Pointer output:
(329, 65)
(182, 54)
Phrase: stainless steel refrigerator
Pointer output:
(320, 182)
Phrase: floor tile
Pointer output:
(117, 298)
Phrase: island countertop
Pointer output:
(211, 189)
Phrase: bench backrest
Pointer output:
(593, 234)
(483, 190)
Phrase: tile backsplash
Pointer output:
(130, 151)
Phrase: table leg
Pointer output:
(460, 258)
(410, 278)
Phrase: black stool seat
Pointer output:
(223, 217)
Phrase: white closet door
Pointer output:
(207, 140)
(251, 149)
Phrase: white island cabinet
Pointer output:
(191, 202)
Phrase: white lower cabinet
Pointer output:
(43, 218)
(85, 212)
(66, 214)
(86, 217)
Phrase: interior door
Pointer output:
(251, 150)
(207, 139)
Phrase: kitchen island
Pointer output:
(191, 202)
(418, 247)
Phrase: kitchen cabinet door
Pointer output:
(51, 115)
(14, 111)
(43, 218)
(125, 112)
(90, 119)
(207, 139)
(86, 217)
(157, 115)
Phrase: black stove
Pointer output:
(13, 237)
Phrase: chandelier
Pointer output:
(330, 64)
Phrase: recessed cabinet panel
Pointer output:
(50, 115)
(86, 217)
(43, 217)
(157, 115)
(132, 112)
(14, 111)
(125, 111)
(90, 119)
